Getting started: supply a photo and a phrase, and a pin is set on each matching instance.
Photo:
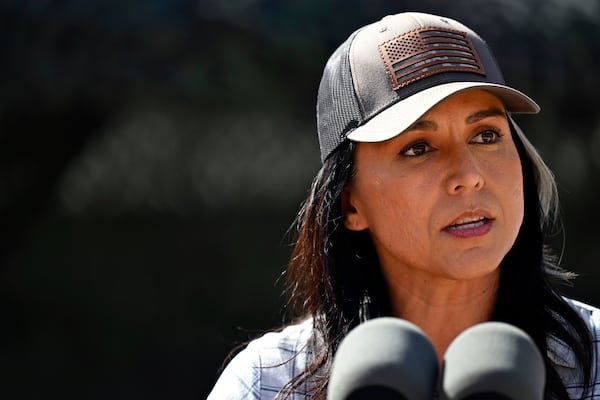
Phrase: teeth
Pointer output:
(468, 220)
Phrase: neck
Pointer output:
(443, 309)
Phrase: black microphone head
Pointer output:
(384, 358)
(493, 360)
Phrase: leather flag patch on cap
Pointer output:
(428, 51)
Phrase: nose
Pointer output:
(463, 173)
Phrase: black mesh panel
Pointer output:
(338, 111)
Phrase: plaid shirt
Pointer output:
(269, 362)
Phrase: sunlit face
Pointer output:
(444, 198)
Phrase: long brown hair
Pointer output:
(334, 274)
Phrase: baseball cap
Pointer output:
(386, 75)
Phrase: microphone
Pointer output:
(386, 359)
(494, 361)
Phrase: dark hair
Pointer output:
(334, 274)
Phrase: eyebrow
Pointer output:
(492, 112)
(471, 119)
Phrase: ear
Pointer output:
(353, 218)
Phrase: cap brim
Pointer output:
(400, 116)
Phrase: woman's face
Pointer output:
(444, 198)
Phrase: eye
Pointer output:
(489, 136)
(415, 150)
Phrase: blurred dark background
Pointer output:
(154, 153)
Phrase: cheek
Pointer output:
(398, 215)
(517, 211)
(514, 197)
(397, 200)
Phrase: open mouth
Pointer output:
(468, 223)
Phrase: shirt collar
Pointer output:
(560, 353)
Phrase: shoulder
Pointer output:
(591, 317)
(280, 344)
(564, 359)
(589, 314)
(267, 363)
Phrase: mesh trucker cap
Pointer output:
(386, 75)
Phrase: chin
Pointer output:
(471, 271)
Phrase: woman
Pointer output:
(431, 206)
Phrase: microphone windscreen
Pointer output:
(384, 358)
(493, 360)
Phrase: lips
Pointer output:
(470, 223)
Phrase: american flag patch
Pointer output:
(428, 51)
